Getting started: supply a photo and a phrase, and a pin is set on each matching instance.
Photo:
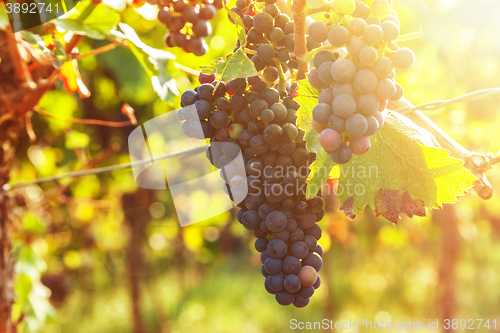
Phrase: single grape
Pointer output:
(276, 35)
(383, 67)
(281, 21)
(296, 235)
(356, 125)
(270, 74)
(308, 276)
(267, 115)
(290, 131)
(299, 249)
(266, 52)
(380, 118)
(326, 96)
(277, 248)
(258, 144)
(323, 56)
(317, 284)
(263, 22)
(357, 26)
(314, 260)
(272, 10)
(368, 55)
(373, 126)
(329, 139)
(367, 104)
(188, 98)
(283, 55)
(284, 297)
(343, 105)
(276, 221)
(403, 59)
(336, 123)
(270, 95)
(306, 292)
(343, 70)
(325, 72)
(380, 9)
(392, 18)
(360, 145)
(399, 92)
(317, 31)
(291, 265)
(321, 113)
(207, 12)
(272, 265)
(338, 36)
(254, 36)
(261, 244)
(373, 34)
(218, 119)
(319, 249)
(292, 283)
(235, 130)
(345, 7)
(250, 220)
(275, 282)
(364, 81)
(342, 155)
(385, 89)
(391, 30)
(315, 81)
(362, 10)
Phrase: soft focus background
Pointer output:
(114, 256)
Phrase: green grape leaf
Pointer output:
(242, 36)
(4, 18)
(155, 62)
(97, 25)
(404, 172)
(236, 65)
(323, 166)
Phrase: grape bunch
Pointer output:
(356, 89)
(247, 116)
(187, 22)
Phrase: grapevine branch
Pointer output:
(300, 48)
(84, 121)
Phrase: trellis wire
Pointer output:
(429, 106)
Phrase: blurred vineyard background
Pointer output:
(115, 259)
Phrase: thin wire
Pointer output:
(435, 105)
(184, 154)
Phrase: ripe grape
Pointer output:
(266, 52)
(380, 9)
(338, 36)
(364, 81)
(317, 31)
(267, 115)
(277, 35)
(272, 9)
(322, 112)
(380, 118)
(300, 301)
(290, 131)
(323, 56)
(317, 127)
(275, 282)
(276, 248)
(342, 155)
(383, 67)
(270, 73)
(385, 89)
(329, 139)
(399, 92)
(343, 70)
(308, 276)
(360, 145)
(317, 284)
(390, 29)
(325, 72)
(291, 265)
(270, 95)
(373, 126)
(276, 221)
(373, 34)
(218, 119)
(368, 55)
(403, 59)
(283, 55)
(292, 283)
(344, 105)
(314, 260)
(315, 81)
(367, 104)
(336, 123)
(362, 10)
(250, 220)
(263, 22)
(273, 265)
(326, 96)
(188, 98)
(299, 249)
(306, 292)
(284, 297)
(261, 244)
(345, 7)
(356, 125)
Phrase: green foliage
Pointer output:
(96, 25)
(155, 62)
(236, 65)
(403, 159)
(242, 36)
(4, 18)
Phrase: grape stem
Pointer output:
(300, 48)
(282, 81)
(327, 7)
